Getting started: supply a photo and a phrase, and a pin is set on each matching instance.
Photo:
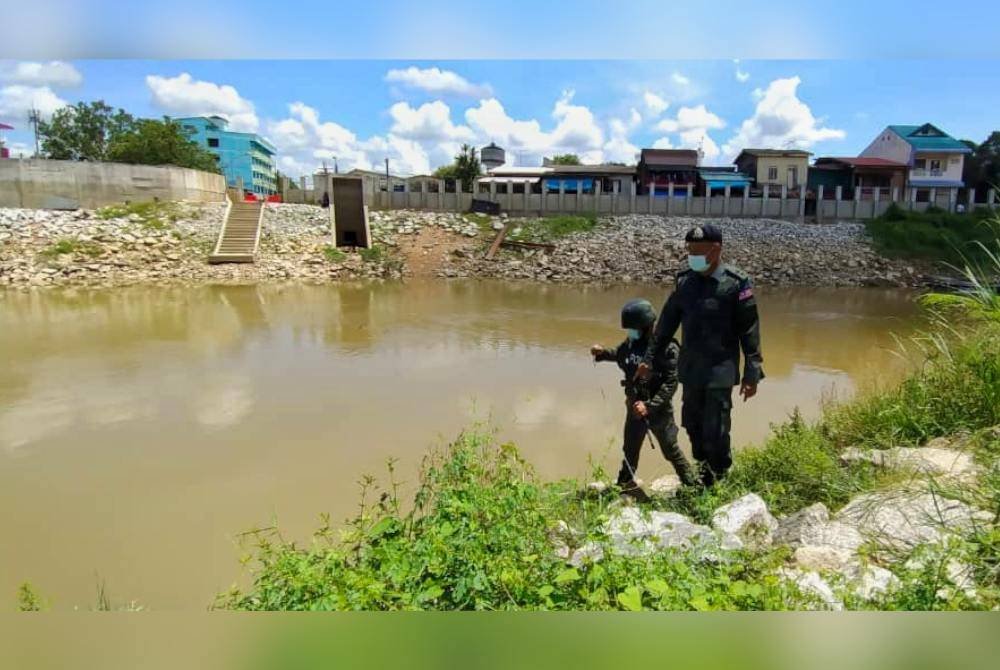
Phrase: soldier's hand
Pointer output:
(640, 409)
(595, 350)
(748, 390)
(642, 372)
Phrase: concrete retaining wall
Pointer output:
(49, 184)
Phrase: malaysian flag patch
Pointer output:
(746, 293)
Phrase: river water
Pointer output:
(142, 428)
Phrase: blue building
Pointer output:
(245, 155)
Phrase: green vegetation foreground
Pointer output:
(482, 528)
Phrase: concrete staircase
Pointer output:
(240, 234)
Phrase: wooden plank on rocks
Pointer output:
(491, 252)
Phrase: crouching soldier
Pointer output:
(649, 403)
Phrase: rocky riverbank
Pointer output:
(170, 242)
(651, 249)
(852, 556)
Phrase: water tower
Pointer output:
(492, 156)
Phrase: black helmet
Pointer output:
(638, 314)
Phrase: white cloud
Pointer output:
(663, 143)
(618, 148)
(576, 130)
(437, 81)
(304, 142)
(692, 125)
(741, 76)
(184, 96)
(17, 100)
(780, 121)
(757, 93)
(429, 122)
(655, 105)
(680, 79)
(54, 73)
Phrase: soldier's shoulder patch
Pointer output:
(745, 293)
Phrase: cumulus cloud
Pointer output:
(437, 81)
(618, 148)
(304, 142)
(781, 121)
(54, 73)
(429, 122)
(691, 118)
(680, 79)
(741, 76)
(184, 96)
(663, 143)
(655, 105)
(17, 100)
(576, 129)
(692, 125)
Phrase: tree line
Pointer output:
(95, 131)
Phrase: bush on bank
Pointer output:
(935, 235)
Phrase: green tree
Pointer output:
(981, 169)
(465, 168)
(83, 131)
(565, 159)
(153, 142)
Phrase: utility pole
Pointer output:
(33, 118)
(388, 186)
(336, 169)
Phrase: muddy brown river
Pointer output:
(142, 428)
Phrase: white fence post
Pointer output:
(670, 198)
(631, 200)
(819, 204)
(725, 201)
(652, 194)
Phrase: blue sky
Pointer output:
(416, 112)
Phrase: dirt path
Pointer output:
(427, 251)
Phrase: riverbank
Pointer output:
(170, 242)
(890, 502)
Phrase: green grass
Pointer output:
(29, 600)
(333, 254)
(70, 246)
(934, 235)
(551, 228)
(157, 215)
(372, 254)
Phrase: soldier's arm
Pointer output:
(666, 366)
(748, 330)
(663, 332)
(606, 354)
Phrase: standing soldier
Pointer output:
(714, 306)
(649, 403)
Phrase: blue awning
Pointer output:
(723, 183)
(931, 183)
(569, 185)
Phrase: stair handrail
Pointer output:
(260, 224)
(225, 222)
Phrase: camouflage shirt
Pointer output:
(717, 315)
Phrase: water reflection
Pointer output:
(144, 426)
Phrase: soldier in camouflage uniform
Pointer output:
(714, 305)
(648, 402)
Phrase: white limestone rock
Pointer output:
(666, 486)
(936, 461)
(871, 582)
(902, 520)
(792, 527)
(747, 518)
(823, 557)
(811, 584)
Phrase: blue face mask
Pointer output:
(633, 334)
(697, 263)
